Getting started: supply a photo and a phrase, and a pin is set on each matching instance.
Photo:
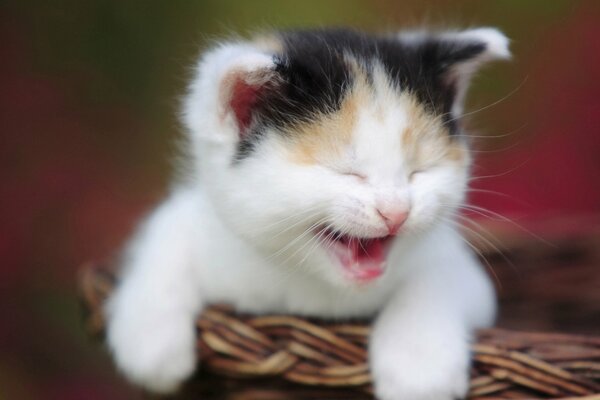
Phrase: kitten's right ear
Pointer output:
(230, 82)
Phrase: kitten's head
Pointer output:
(324, 147)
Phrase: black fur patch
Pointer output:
(315, 75)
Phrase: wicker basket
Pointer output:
(285, 357)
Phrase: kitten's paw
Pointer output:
(393, 387)
(155, 353)
(402, 374)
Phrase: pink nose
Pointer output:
(393, 217)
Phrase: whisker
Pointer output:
(500, 150)
(506, 219)
(292, 226)
(503, 98)
(288, 217)
(495, 244)
(500, 194)
(299, 237)
(289, 272)
(477, 251)
(315, 244)
(478, 177)
(510, 133)
(490, 192)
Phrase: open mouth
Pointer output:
(363, 259)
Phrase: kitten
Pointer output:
(326, 169)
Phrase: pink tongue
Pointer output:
(367, 251)
(368, 259)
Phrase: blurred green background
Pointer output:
(89, 97)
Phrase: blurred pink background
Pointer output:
(87, 121)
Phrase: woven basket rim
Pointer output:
(312, 353)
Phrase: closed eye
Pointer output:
(354, 174)
(347, 171)
(415, 173)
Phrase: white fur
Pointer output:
(239, 236)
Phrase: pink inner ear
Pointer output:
(243, 99)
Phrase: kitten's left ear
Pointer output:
(457, 55)
(467, 52)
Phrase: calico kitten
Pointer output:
(326, 169)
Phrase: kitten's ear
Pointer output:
(467, 51)
(457, 55)
(230, 82)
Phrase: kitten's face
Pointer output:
(331, 186)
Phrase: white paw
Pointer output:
(153, 350)
(414, 372)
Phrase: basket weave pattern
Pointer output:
(301, 354)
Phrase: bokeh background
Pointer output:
(88, 98)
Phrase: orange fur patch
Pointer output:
(329, 135)
(426, 141)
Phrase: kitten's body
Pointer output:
(324, 183)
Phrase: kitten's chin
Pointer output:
(363, 260)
